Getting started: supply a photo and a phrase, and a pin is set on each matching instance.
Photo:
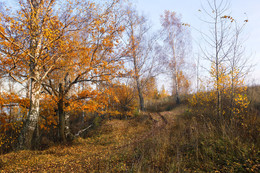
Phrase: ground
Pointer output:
(112, 148)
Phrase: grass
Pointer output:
(100, 152)
(144, 144)
(202, 147)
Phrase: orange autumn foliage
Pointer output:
(13, 109)
(122, 100)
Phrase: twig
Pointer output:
(83, 130)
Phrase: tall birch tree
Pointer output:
(176, 43)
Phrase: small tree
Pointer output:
(223, 49)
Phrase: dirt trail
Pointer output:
(168, 117)
(160, 120)
(120, 137)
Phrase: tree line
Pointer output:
(103, 58)
(75, 56)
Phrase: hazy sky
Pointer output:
(190, 14)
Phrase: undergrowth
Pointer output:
(190, 143)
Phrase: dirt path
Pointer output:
(117, 137)
(160, 120)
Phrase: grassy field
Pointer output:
(172, 141)
(115, 146)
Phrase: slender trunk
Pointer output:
(140, 94)
(61, 115)
(136, 68)
(217, 48)
(139, 88)
(69, 136)
(177, 87)
(28, 89)
(218, 91)
(232, 98)
(232, 94)
(175, 72)
(67, 123)
(26, 136)
(197, 72)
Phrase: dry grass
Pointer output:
(97, 153)
(145, 144)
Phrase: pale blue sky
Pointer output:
(190, 14)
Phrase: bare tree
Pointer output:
(140, 46)
(238, 63)
(218, 40)
(222, 46)
(175, 49)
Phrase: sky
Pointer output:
(189, 10)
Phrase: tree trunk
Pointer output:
(64, 129)
(175, 73)
(140, 94)
(177, 87)
(139, 89)
(26, 136)
(61, 121)
(61, 115)
(69, 136)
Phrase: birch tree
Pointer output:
(140, 46)
(175, 48)
(28, 40)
